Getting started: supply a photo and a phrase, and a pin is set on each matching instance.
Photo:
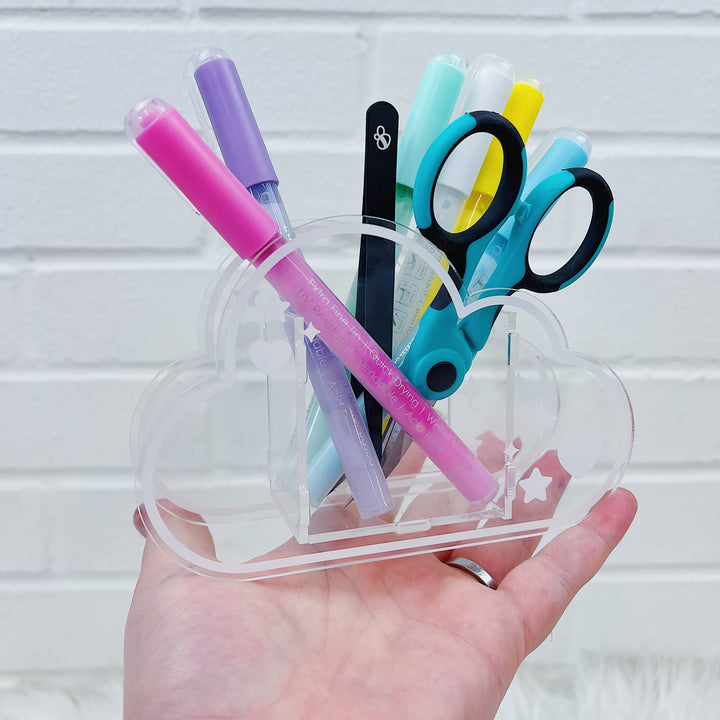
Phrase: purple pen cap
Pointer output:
(216, 78)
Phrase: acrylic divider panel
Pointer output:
(221, 447)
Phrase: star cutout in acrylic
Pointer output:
(535, 486)
(511, 451)
(310, 331)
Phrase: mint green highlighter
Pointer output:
(492, 257)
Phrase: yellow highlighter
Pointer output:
(522, 108)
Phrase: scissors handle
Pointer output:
(541, 199)
(506, 200)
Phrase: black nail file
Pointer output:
(376, 265)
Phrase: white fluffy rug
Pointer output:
(86, 696)
(595, 689)
(600, 688)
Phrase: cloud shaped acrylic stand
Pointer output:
(219, 438)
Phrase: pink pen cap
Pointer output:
(155, 127)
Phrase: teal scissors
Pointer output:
(492, 256)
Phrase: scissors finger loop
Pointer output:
(512, 179)
(597, 232)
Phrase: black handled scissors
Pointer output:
(492, 256)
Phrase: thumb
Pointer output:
(542, 587)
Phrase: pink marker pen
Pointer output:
(177, 150)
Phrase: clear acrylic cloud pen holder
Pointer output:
(221, 442)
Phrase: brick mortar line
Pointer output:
(9, 585)
(224, 19)
(34, 262)
(672, 369)
(38, 260)
(95, 373)
(114, 144)
(662, 370)
(689, 26)
(674, 574)
(62, 679)
(35, 482)
(169, 20)
(641, 575)
(639, 475)
(108, 373)
(642, 474)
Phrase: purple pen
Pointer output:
(177, 150)
(348, 433)
(215, 76)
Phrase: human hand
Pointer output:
(403, 638)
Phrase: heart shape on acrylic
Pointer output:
(270, 357)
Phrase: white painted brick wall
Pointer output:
(115, 315)
(102, 268)
(67, 216)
